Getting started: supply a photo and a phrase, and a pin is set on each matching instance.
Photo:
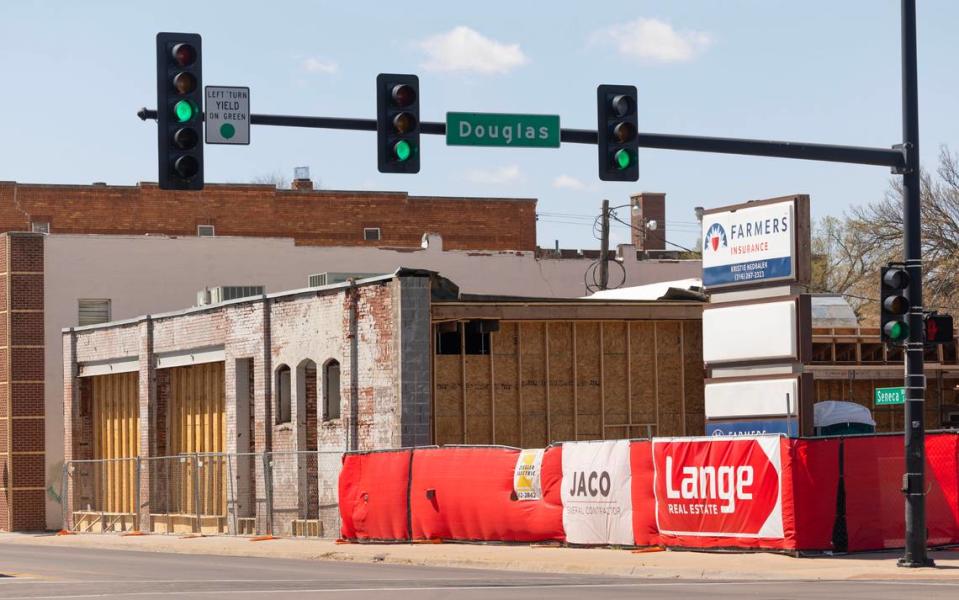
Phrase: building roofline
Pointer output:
(333, 287)
(268, 186)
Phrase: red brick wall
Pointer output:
(21, 383)
(325, 218)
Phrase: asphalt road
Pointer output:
(64, 573)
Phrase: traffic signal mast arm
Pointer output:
(885, 157)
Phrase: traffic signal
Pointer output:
(179, 111)
(894, 304)
(938, 328)
(398, 123)
(618, 132)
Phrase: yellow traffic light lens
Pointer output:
(624, 132)
(184, 111)
(897, 305)
(184, 83)
(404, 123)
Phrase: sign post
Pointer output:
(227, 115)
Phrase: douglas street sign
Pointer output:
(494, 129)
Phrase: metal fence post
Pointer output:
(232, 492)
(268, 487)
(136, 497)
(196, 491)
(63, 496)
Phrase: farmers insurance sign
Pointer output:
(719, 487)
(749, 244)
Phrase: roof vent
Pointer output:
(223, 293)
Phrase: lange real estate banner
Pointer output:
(597, 493)
(746, 245)
(719, 487)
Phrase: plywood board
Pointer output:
(505, 375)
(116, 421)
(559, 353)
(479, 400)
(693, 377)
(670, 378)
(589, 421)
(614, 380)
(532, 345)
(643, 374)
(448, 398)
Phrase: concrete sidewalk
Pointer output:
(593, 561)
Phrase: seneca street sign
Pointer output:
(502, 130)
(227, 114)
(887, 396)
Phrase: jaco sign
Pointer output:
(719, 488)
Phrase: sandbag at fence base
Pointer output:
(466, 493)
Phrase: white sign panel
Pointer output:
(749, 245)
(750, 332)
(527, 483)
(763, 397)
(227, 114)
(597, 493)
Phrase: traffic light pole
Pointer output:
(883, 157)
(914, 485)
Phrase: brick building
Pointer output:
(132, 250)
(396, 360)
(310, 217)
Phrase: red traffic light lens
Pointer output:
(404, 123)
(624, 132)
(185, 138)
(403, 95)
(184, 83)
(622, 105)
(896, 279)
(184, 54)
(186, 167)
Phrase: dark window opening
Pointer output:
(284, 403)
(331, 390)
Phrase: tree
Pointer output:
(276, 178)
(850, 251)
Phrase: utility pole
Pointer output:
(604, 249)
(913, 483)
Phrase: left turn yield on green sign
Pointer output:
(227, 114)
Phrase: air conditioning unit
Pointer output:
(222, 293)
(329, 278)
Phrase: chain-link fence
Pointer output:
(268, 493)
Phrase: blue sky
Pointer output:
(817, 71)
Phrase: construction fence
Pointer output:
(268, 493)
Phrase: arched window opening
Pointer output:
(331, 390)
(284, 404)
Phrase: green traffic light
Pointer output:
(622, 159)
(184, 111)
(897, 330)
(402, 150)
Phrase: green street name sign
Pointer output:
(887, 396)
(502, 130)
